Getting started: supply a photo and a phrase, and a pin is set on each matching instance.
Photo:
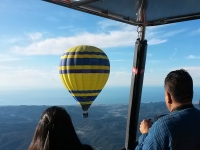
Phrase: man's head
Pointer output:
(178, 87)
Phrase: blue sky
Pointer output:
(34, 35)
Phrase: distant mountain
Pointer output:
(104, 129)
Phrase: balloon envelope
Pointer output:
(84, 71)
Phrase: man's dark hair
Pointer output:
(180, 85)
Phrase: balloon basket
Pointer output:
(85, 114)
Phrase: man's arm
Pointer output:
(145, 125)
(155, 139)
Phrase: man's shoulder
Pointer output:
(164, 120)
(187, 113)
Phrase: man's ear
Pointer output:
(168, 97)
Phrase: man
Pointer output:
(180, 130)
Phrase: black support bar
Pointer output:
(135, 93)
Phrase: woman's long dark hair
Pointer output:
(55, 131)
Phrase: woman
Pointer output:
(55, 131)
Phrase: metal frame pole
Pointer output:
(136, 89)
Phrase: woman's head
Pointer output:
(55, 131)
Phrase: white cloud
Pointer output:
(172, 33)
(156, 41)
(56, 46)
(35, 35)
(192, 57)
(158, 31)
(6, 58)
(173, 54)
(22, 39)
(65, 27)
(111, 34)
(120, 73)
(151, 70)
(23, 77)
(195, 32)
(194, 71)
(155, 76)
(118, 53)
(29, 77)
(119, 78)
(120, 60)
(153, 61)
(109, 24)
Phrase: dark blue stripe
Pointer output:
(84, 71)
(84, 98)
(84, 92)
(84, 61)
(84, 53)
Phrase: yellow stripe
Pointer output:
(88, 50)
(85, 51)
(81, 81)
(102, 81)
(83, 67)
(84, 56)
(85, 103)
(64, 81)
(84, 48)
(85, 94)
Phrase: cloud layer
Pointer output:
(29, 77)
(108, 35)
(193, 57)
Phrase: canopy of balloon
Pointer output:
(84, 71)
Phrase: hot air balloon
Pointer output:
(84, 71)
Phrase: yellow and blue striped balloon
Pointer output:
(84, 71)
